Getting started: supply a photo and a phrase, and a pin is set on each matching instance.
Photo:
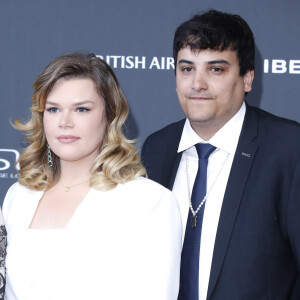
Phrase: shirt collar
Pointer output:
(225, 139)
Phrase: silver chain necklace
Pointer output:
(68, 188)
(194, 212)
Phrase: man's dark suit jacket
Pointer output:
(257, 247)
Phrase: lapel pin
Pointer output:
(246, 154)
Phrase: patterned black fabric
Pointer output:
(3, 244)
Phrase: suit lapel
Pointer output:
(241, 166)
(173, 158)
(173, 170)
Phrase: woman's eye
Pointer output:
(52, 109)
(82, 109)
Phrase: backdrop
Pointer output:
(135, 38)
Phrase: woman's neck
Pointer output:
(73, 172)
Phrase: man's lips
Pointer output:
(200, 97)
(67, 139)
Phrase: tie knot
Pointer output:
(204, 150)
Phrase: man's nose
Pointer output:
(199, 81)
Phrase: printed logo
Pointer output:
(281, 66)
(8, 166)
(138, 62)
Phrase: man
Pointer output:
(249, 209)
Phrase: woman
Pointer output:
(82, 223)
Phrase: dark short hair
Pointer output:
(217, 31)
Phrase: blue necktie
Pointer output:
(189, 271)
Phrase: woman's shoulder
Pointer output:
(145, 194)
(145, 185)
(17, 195)
(17, 189)
(14, 190)
(144, 199)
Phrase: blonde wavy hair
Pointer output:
(118, 160)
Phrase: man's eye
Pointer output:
(217, 69)
(186, 69)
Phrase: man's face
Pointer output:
(210, 88)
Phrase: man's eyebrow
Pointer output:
(210, 62)
(218, 61)
(185, 61)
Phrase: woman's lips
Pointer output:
(66, 139)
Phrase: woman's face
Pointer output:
(74, 120)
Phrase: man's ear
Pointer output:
(248, 79)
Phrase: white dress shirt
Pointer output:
(119, 244)
(225, 141)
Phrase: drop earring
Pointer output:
(50, 163)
